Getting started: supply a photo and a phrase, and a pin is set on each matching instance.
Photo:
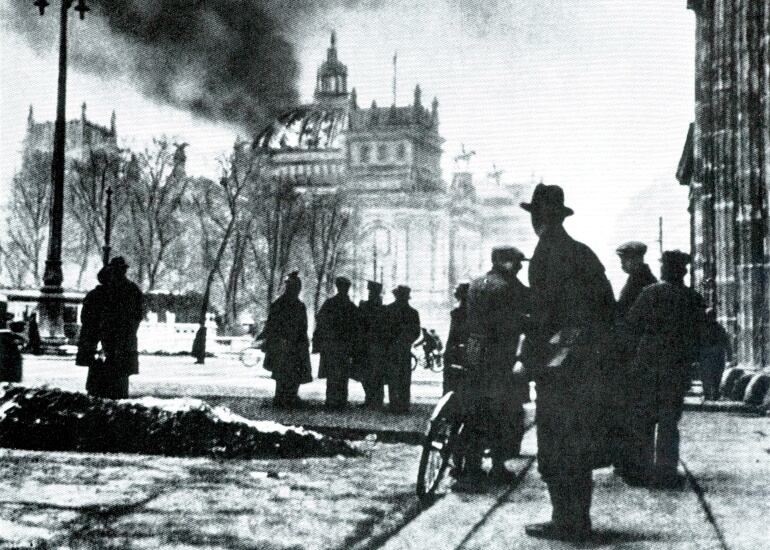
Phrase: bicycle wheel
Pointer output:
(251, 357)
(415, 360)
(437, 448)
(437, 364)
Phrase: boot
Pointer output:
(570, 520)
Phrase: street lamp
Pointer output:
(51, 322)
(107, 228)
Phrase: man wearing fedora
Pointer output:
(565, 354)
(668, 319)
(336, 334)
(111, 315)
(403, 329)
(287, 353)
(372, 354)
(493, 394)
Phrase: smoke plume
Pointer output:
(222, 60)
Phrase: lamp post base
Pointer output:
(51, 319)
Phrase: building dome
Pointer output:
(311, 127)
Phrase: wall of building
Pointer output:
(731, 170)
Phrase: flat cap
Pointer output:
(507, 254)
(402, 290)
(342, 281)
(631, 248)
(374, 285)
(675, 258)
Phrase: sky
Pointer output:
(592, 95)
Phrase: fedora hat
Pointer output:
(547, 198)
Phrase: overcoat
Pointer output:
(458, 337)
(566, 354)
(287, 352)
(111, 315)
(373, 341)
(402, 330)
(122, 316)
(634, 285)
(497, 317)
(336, 335)
(669, 320)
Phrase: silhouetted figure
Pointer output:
(565, 353)
(631, 256)
(372, 356)
(403, 329)
(33, 336)
(457, 339)
(287, 353)
(715, 351)
(111, 316)
(669, 320)
(493, 395)
(335, 338)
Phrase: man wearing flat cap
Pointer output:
(403, 329)
(668, 319)
(565, 354)
(372, 353)
(498, 304)
(287, 353)
(632, 262)
(631, 256)
(335, 338)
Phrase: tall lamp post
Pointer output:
(52, 322)
(107, 228)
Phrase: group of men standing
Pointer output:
(606, 373)
(370, 343)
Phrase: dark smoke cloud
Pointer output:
(222, 60)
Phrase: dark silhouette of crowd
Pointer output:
(370, 343)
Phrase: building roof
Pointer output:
(309, 127)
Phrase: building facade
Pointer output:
(414, 229)
(726, 164)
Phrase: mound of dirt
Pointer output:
(55, 420)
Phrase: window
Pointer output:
(382, 152)
(364, 152)
(401, 151)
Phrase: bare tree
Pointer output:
(219, 210)
(90, 178)
(29, 206)
(327, 226)
(156, 187)
(278, 211)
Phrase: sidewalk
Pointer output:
(725, 504)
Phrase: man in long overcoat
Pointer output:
(632, 262)
(111, 315)
(493, 395)
(565, 354)
(336, 335)
(669, 319)
(454, 357)
(403, 329)
(372, 355)
(287, 353)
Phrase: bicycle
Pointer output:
(433, 361)
(441, 445)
